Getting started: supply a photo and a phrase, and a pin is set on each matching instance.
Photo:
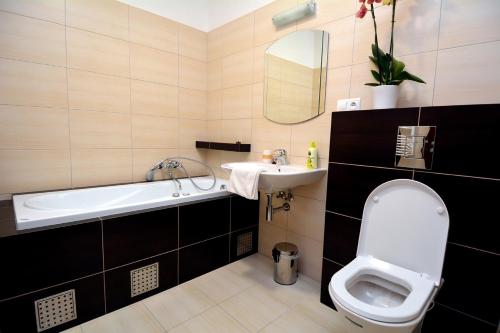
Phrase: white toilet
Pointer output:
(397, 270)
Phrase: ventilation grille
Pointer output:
(244, 243)
(55, 310)
(144, 279)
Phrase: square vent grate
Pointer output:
(144, 279)
(244, 243)
(55, 310)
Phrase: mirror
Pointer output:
(295, 77)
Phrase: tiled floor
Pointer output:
(240, 297)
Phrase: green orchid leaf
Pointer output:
(395, 82)
(407, 76)
(376, 75)
(397, 68)
(372, 84)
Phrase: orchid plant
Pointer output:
(390, 71)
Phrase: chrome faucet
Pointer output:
(280, 156)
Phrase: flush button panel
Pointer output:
(415, 147)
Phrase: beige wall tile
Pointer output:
(316, 129)
(311, 253)
(107, 17)
(468, 75)
(257, 100)
(360, 74)
(215, 44)
(307, 218)
(237, 69)
(97, 53)
(154, 132)
(233, 130)
(192, 43)
(34, 170)
(192, 73)
(214, 76)
(258, 62)
(214, 104)
(337, 87)
(269, 235)
(98, 92)
(237, 102)
(153, 30)
(153, 65)
(24, 127)
(340, 41)
(92, 167)
(23, 83)
(192, 104)
(144, 159)
(90, 129)
(269, 135)
(413, 93)
(327, 10)
(28, 39)
(410, 34)
(50, 10)
(468, 22)
(265, 31)
(191, 130)
(154, 99)
(238, 35)
(214, 128)
(316, 191)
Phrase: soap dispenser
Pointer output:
(312, 156)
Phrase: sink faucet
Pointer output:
(279, 156)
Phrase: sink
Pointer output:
(281, 177)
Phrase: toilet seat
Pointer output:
(420, 290)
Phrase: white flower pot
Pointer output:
(385, 96)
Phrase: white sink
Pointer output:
(281, 177)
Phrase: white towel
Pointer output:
(244, 181)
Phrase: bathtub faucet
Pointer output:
(167, 163)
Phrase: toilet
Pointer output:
(396, 274)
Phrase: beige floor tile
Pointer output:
(76, 329)
(255, 267)
(311, 317)
(222, 284)
(176, 305)
(214, 320)
(131, 319)
(304, 290)
(255, 308)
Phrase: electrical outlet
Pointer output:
(349, 104)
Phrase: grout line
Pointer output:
(138, 261)
(103, 274)
(437, 54)
(70, 150)
(371, 166)
(203, 241)
(344, 215)
(51, 286)
(456, 175)
(333, 261)
(466, 314)
(474, 248)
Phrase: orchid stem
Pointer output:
(376, 44)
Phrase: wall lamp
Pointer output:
(295, 14)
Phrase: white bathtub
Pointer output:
(50, 208)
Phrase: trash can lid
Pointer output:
(287, 248)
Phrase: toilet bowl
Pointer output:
(392, 281)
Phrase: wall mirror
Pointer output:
(295, 77)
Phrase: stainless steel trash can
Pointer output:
(285, 257)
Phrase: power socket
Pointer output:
(349, 104)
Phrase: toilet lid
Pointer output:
(405, 223)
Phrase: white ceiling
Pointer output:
(204, 15)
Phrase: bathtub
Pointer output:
(50, 208)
